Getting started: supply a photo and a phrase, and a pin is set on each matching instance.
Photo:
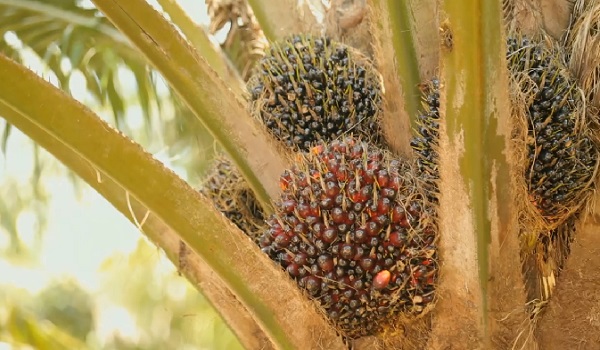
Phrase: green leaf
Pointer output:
(8, 220)
(5, 132)
(62, 28)
(59, 31)
(25, 328)
(75, 135)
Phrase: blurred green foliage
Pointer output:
(67, 306)
(170, 314)
(19, 198)
(142, 303)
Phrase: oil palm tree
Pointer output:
(481, 295)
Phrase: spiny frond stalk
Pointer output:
(208, 97)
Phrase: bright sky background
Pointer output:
(81, 233)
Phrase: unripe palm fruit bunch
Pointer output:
(353, 229)
(232, 196)
(561, 157)
(308, 89)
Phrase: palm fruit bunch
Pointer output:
(561, 157)
(425, 142)
(232, 196)
(354, 231)
(310, 88)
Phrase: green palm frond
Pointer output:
(61, 32)
(70, 38)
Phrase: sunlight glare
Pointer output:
(77, 85)
(11, 39)
(115, 321)
(27, 226)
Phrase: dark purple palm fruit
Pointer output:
(562, 158)
(354, 231)
(307, 89)
(232, 196)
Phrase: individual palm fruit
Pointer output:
(309, 88)
(425, 143)
(561, 157)
(354, 230)
(232, 196)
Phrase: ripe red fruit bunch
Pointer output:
(353, 229)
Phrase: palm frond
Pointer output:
(72, 41)
(69, 39)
